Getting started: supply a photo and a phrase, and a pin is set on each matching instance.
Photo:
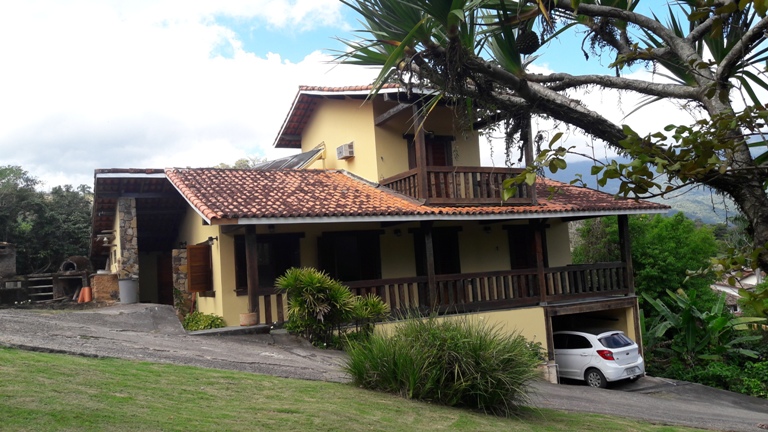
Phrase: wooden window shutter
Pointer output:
(199, 276)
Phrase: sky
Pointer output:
(88, 84)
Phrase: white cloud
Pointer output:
(99, 84)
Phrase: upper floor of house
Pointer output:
(392, 139)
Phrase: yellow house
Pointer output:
(405, 213)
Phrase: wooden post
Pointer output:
(420, 146)
(252, 268)
(638, 330)
(538, 241)
(430, 261)
(626, 253)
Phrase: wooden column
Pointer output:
(252, 268)
(626, 253)
(420, 146)
(429, 251)
(538, 241)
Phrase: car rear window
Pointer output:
(615, 340)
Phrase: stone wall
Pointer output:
(7, 260)
(129, 245)
(182, 298)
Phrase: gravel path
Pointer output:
(152, 333)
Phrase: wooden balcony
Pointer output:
(455, 185)
(507, 289)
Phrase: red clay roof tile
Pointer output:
(235, 194)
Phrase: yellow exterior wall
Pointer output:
(558, 244)
(336, 122)
(398, 257)
(381, 151)
(528, 322)
(193, 231)
(483, 251)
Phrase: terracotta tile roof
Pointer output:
(233, 194)
(304, 104)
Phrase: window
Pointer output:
(275, 254)
(522, 246)
(570, 341)
(350, 255)
(616, 340)
(445, 249)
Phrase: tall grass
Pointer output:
(452, 361)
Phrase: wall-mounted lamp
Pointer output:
(212, 239)
(271, 228)
(398, 232)
(487, 229)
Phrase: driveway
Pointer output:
(152, 333)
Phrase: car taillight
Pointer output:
(607, 355)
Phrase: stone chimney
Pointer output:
(7, 260)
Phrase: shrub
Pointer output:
(317, 304)
(201, 321)
(366, 310)
(455, 362)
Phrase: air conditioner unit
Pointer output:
(345, 151)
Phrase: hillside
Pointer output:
(699, 203)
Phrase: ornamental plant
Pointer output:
(453, 361)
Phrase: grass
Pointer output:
(53, 392)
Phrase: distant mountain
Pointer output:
(699, 203)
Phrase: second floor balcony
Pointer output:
(459, 185)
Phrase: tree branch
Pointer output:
(744, 46)
(683, 49)
(563, 81)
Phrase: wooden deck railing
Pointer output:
(449, 185)
(498, 289)
(473, 292)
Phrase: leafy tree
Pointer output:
(664, 249)
(46, 227)
(474, 52)
(243, 163)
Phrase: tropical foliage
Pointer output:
(451, 361)
(709, 54)
(320, 307)
(45, 227)
(711, 347)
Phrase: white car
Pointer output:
(597, 357)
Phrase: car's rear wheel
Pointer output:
(595, 378)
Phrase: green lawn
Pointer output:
(52, 392)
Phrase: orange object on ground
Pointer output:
(87, 294)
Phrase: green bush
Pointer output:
(317, 304)
(749, 379)
(201, 321)
(455, 362)
(366, 310)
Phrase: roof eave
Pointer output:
(430, 217)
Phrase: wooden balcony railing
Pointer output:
(500, 289)
(449, 185)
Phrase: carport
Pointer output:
(620, 313)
